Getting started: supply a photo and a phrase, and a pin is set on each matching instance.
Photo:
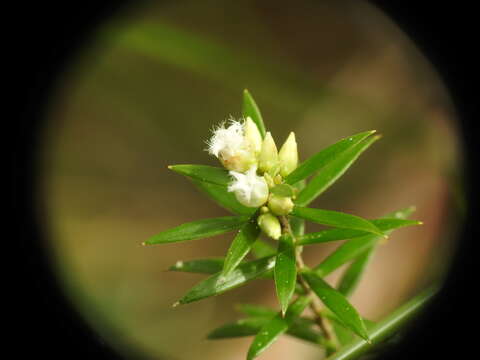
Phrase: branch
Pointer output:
(331, 341)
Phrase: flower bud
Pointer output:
(252, 136)
(269, 180)
(270, 225)
(268, 157)
(250, 189)
(280, 205)
(288, 155)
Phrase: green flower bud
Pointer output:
(253, 137)
(288, 155)
(280, 205)
(269, 180)
(268, 157)
(270, 225)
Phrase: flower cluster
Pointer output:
(256, 167)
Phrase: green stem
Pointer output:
(387, 326)
(330, 342)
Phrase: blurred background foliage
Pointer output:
(146, 92)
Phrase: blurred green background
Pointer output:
(145, 94)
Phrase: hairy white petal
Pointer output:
(231, 146)
(227, 141)
(250, 189)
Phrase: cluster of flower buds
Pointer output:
(256, 167)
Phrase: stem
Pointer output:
(387, 326)
(331, 342)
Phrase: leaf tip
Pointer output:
(175, 304)
(419, 222)
(145, 243)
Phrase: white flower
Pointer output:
(250, 189)
(236, 146)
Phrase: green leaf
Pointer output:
(283, 190)
(386, 224)
(201, 266)
(305, 332)
(239, 328)
(344, 234)
(386, 327)
(337, 303)
(276, 327)
(322, 158)
(356, 246)
(285, 272)
(251, 109)
(256, 310)
(329, 235)
(241, 245)
(218, 284)
(335, 219)
(344, 253)
(261, 249)
(225, 199)
(198, 229)
(332, 171)
(301, 329)
(204, 173)
(354, 272)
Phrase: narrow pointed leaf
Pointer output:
(387, 326)
(335, 219)
(222, 197)
(204, 173)
(198, 229)
(239, 328)
(250, 108)
(354, 272)
(358, 245)
(251, 326)
(285, 272)
(201, 266)
(325, 156)
(332, 171)
(241, 245)
(218, 284)
(345, 234)
(304, 332)
(344, 335)
(344, 253)
(276, 327)
(337, 303)
(387, 224)
(261, 249)
(256, 310)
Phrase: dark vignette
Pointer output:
(52, 34)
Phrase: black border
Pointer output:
(52, 34)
